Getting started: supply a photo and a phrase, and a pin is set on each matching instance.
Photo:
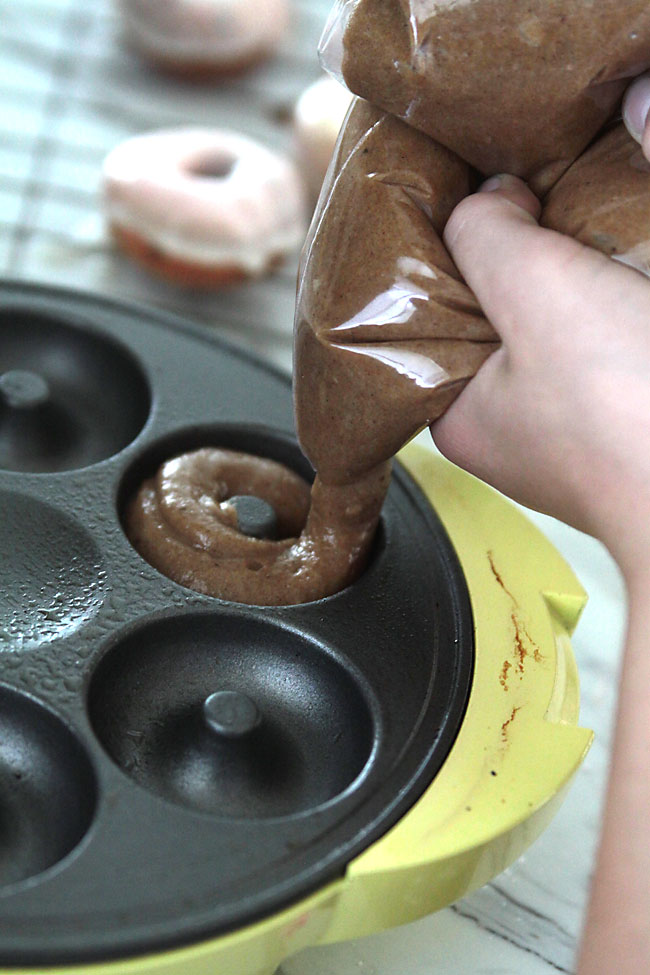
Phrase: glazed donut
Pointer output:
(204, 38)
(317, 118)
(203, 207)
(182, 522)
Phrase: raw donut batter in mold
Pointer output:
(203, 207)
(181, 522)
(204, 38)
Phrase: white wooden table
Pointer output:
(69, 91)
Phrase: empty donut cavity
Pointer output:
(231, 715)
(69, 397)
(47, 788)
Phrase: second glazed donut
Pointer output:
(317, 118)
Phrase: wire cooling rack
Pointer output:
(70, 89)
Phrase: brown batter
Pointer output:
(512, 86)
(387, 333)
(181, 522)
(604, 200)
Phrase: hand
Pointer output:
(559, 416)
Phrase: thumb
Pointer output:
(505, 257)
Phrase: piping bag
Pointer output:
(387, 334)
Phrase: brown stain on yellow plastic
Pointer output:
(506, 725)
(520, 650)
(524, 645)
(499, 579)
(503, 676)
(523, 637)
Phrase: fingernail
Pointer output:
(500, 182)
(636, 107)
(514, 190)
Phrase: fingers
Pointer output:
(636, 108)
(552, 416)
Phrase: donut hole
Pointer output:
(213, 165)
(233, 715)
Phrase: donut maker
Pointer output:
(396, 745)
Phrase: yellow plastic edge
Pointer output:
(519, 744)
(507, 773)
